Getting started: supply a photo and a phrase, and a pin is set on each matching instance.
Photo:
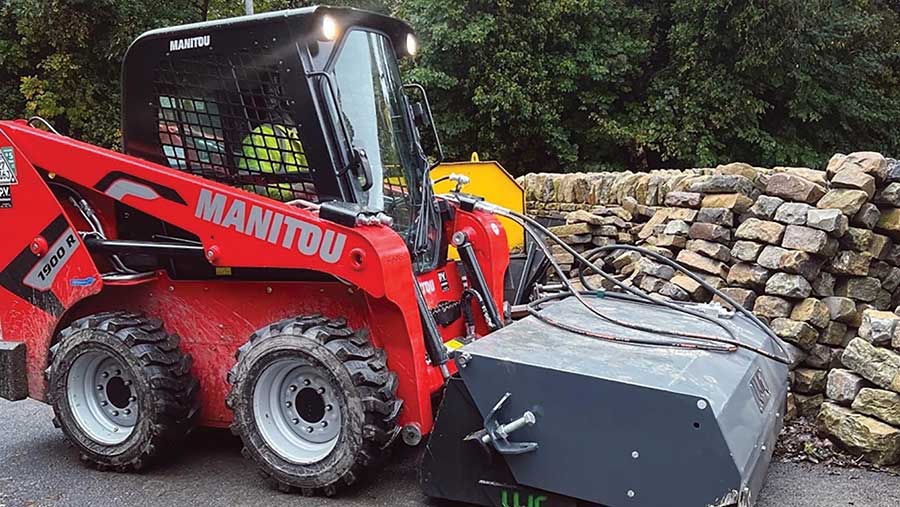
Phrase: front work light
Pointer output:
(412, 45)
(329, 28)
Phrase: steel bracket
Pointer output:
(497, 433)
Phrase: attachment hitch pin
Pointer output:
(527, 419)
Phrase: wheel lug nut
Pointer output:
(306, 382)
(295, 421)
(115, 412)
(288, 404)
(293, 388)
(104, 403)
(99, 387)
(310, 429)
(132, 398)
(127, 411)
(118, 372)
(105, 374)
(324, 424)
(329, 408)
(321, 390)
(127, 383)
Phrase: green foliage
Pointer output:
(530, 82)
(545, 84)
(60, 59)
(218, 9)
(776, 82)
(550, 85)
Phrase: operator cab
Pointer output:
(301, 104)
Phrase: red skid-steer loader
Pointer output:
(268, 255)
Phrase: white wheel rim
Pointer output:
(100, 396)
(297, 411)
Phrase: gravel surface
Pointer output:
(38, 468)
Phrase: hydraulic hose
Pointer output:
(730, 344)
(725, 297)
(532, 309)
(528, 223)
(732, 341)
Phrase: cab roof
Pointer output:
(297, 18)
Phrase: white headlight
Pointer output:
(412, 45)
(329, 28)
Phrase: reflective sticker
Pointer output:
(43, 274)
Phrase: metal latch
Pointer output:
(497, 434)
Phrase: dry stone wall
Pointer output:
(810, 251)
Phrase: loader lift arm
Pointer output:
(234, 226)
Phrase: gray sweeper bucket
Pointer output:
(542, 417)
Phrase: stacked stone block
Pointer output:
(585, 230)
(812, 252)
(726, 195)
(792, 249)
(862, 412)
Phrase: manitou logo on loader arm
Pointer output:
(270, 225)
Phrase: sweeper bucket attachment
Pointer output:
(543, 417)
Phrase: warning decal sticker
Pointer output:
(7, 167)
(5, 197)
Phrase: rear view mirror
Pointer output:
(420, 114)
(424, 118)
(361, 168)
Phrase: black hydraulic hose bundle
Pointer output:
(695, 343)
(685, 340)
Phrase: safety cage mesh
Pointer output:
(227, 118)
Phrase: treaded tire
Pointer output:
(366, 390)
(165, 390)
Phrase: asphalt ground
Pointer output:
(39, 468)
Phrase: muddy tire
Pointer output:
(121, 390)
(314, 404)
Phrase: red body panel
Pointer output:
(34, 227)
(214, 319)
(237, 229)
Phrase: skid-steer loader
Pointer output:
(268, 255)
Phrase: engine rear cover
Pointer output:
(629, 425)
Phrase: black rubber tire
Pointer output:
(163, 384)
(370, 408)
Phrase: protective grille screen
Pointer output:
(227, 118)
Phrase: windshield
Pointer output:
(375, 111)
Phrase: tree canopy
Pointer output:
(61, 59)
(545, 85)
(575, 84)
